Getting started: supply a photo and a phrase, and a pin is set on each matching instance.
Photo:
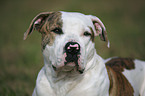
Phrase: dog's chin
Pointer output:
(70, 67)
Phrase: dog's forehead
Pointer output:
(73, 20)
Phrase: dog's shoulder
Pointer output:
(119, 85)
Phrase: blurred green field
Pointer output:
(20, 61)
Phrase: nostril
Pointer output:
(73, 50)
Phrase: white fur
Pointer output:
(94, 81)
(137, 77)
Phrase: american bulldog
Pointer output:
(71, 65)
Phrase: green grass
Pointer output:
(20, 61)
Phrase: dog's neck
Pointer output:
(95, 71)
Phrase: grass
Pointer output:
(20, 61)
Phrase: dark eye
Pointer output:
(87, 33)
(57, 31)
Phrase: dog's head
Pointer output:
(67, 38)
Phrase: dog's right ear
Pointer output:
(37, 23)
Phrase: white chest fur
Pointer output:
(94, 82)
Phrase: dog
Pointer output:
(72, 66)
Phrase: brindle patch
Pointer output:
(92, 35)
(52, 22)
(119, 85)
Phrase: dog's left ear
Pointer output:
(100, 29)
(37, 23)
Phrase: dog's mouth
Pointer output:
(71, 58)
(73, 61)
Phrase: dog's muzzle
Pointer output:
(72, 56)
(72, 50)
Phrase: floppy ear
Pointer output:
(37, 23)
(100, 29)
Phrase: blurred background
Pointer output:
(20, 61)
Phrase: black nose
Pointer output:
(72, 48)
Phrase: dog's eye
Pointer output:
(57, 31)
(87, 33)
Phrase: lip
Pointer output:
(71, 64)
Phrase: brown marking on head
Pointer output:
(52, 23)
(45, 23)
(92, 35)
(119, 85)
